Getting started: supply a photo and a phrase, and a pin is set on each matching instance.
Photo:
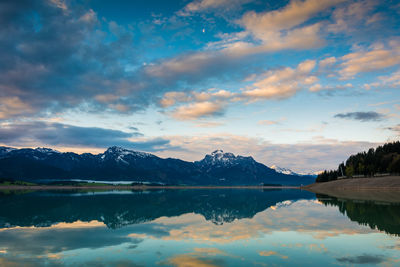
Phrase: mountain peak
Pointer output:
(218, 151)
(117, 149)
(46, 150)
(289, 171)
(283, 170)
(119, 153)
(219, 158)
(219, 154)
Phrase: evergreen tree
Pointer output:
(383, 159)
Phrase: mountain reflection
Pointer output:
(194, 228)
(118, 209)
(377, 215)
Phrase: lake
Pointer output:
(196, 227)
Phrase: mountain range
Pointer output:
(119, 164)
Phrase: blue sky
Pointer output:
(299, 84)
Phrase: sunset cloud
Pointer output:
(349, 18)
(13, 106)
(276, 29)
(389, 81)
(327, 62)
(203, 5)
(282, 83)
(294, 14)
(197, 110)
(376, 58)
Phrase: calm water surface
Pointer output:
(235, 227)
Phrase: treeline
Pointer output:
(383, 159)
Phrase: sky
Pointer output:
(301, 84)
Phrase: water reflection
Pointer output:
(383, 216)
(120, 208)
(195, 228)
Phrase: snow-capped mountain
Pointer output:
(283, 170)
(219, 158)
(120, 164)
(289, 171)
(123, 155)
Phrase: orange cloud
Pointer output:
(281, 83)
(12, 106)
(196, 110)
(377, 57)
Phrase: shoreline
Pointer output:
(384, 183)
(383, 189)
(134, 187)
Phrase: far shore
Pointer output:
(385, 189)
(132, 187)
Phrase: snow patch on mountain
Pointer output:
(120, 154)
(46, 150)
(219, 158)
(4, 149)
(289, 171)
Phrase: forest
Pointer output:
(384, 159)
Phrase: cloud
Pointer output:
(361, 116)
(281, 83)
(327, 62)
(264, 32)
(204, 5)
(66, 57)
(390, 81)
(170, 98)
(193, 67)
(375, 58)
(319, 88)
(58, 134)
(276, 84)
(56, 56)
(353, 16)
(277, 29)
(196, 104)
(362, 259)
(197, 110)
(13, 106)
(395, 129)
(294, 14)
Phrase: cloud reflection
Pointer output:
(303, 216)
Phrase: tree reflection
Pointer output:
(377, 215)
